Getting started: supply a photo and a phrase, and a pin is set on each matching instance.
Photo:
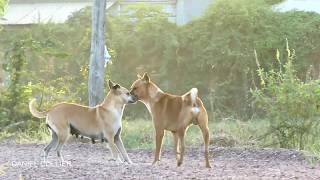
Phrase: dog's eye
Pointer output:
(128, 94)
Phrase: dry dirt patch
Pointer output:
(92, 161)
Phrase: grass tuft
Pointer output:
(139, 134)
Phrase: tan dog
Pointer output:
(100, 122)
(172, 113)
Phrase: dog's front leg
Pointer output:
(118, 141)
(159, 137)
(113, 147)
(176, 145)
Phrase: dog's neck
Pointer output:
(154, 95)
(109, 103)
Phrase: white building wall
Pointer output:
(188, 10)
(301, 5)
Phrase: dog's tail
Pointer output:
(34, 110)
(193, 94)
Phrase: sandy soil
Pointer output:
(92, 161)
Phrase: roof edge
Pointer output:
(45, 1)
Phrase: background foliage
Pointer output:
(214, 53)
(2, 6)
(291, 105)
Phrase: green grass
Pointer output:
(31, 135)
(139, 134)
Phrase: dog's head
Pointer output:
(121, 94)
(140, 87)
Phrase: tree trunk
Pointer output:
(96, 66)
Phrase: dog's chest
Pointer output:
(116, 124)
(148, 107)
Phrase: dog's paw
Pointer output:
(119, 160)
(128, 161)
(155, 163)
(116, 160)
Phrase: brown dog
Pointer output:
(172, 113)
(100, 122)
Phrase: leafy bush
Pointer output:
(274, 1)
(2, 6)
(144, 40)
(216, 51)
(28, 62)
(289, 103)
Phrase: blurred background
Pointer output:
(256, 65)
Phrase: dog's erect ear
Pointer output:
(139, 76)
(146, 78)
(112, 85)
(117, 86)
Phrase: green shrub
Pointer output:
(273, 1)
(290, 104)
(216, 50)
(2, 6)
(31, 73)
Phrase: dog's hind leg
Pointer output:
(58, 149)
(53, 143)
(181, 135)
(203, 124)
(62, 138)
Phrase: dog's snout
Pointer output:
(132, 94)
(134, 97)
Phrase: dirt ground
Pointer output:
(92, 161)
